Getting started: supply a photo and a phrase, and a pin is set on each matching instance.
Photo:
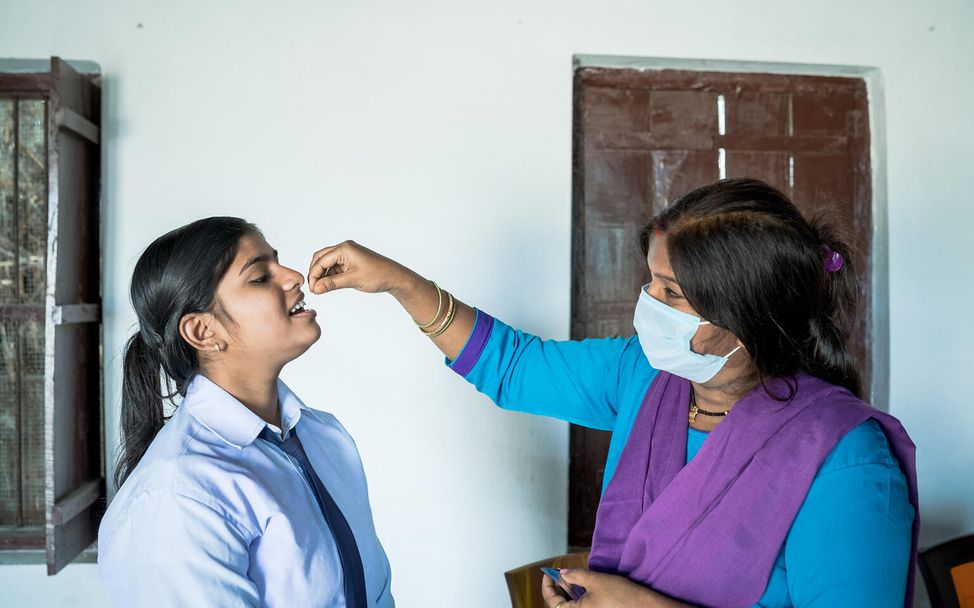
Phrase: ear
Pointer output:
(199, 331)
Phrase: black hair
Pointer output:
(176, 275)
(750, 262)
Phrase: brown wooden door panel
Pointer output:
(754, 113)
(772, 167)
(642, 138)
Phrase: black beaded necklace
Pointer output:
(694, 410)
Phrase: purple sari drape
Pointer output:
(663, 521)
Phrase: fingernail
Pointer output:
(563, 570)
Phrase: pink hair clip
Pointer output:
(833, 259)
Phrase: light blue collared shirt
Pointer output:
(213, 517)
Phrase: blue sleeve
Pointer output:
(582, 381)
(202, 552)
(850, 542)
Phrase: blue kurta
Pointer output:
(849, 544)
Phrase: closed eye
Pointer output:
(261, 279)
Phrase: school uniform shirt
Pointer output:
(214, 516)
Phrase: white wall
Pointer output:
(440, 133)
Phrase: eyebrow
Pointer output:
(257, 259)
(666, 277)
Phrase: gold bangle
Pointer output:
(439, 307)
(447, 320)
(450, 311)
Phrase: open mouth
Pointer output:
(298, 308)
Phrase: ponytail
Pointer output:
(142, 405)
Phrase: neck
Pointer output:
(256, 390)
(723, 396)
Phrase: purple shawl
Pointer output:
(726, 512)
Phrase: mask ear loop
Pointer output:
(727, 356)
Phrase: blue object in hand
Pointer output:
(575, 592)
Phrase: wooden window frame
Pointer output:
(74, 471)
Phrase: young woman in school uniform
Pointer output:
(245, 496)
(744, 468)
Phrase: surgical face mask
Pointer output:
(665, 333)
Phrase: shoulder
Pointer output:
(865, 444)
(186, 463)
(850, 541)
(860, 478)
(137, 511)
(324, 425)
(322, 417)
(635, 372)
(828, 413)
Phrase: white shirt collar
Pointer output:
(232, 421)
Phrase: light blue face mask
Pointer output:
(665, 333)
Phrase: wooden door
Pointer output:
(644, 137)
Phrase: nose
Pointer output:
(292, 280)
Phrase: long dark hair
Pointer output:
(177, 274)
(748, 261)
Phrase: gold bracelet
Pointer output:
(439, 307)
(451, 310)
(447, 320)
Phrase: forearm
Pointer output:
(418, 296)
(607, 590)
(570, 380)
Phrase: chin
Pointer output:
(301, 343)
(314, 336)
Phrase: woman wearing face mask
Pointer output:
(244, 496)
(743, 469)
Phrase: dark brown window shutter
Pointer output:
(58, 394)
(74, 476)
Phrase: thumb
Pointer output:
(580, 576)
(331, 282)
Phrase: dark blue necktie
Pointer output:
(348, 553)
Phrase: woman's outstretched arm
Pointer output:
(350, 265)
(580, 381)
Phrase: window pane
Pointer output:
(7, 199)
(9, 437)
(9, 419)
(32, 420)
(22, 426)
(23, 244)
(32, 198)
